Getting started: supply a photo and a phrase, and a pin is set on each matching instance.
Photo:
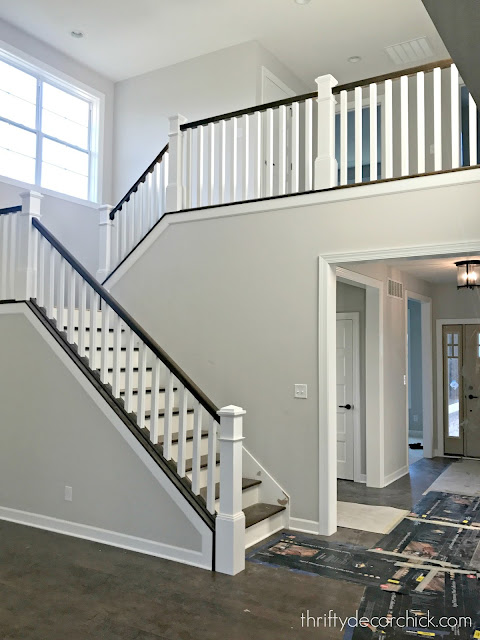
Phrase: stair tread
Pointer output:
(247, 483)
(261, 511)
(112, 348)
(175, 436)
(161, 413)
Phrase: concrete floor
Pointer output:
(54, 587)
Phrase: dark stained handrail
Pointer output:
(6, 210)
(142, 178)
(196, 392)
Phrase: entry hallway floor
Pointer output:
(54, 587)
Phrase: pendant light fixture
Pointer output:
(468, 274)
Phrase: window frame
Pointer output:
(96, 101)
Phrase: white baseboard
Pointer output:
(304, 526)
(396, 475)
(103, 536)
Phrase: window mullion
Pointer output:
(38, 126)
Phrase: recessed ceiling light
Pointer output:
(302, 1)
(76, 34)
(354, 59)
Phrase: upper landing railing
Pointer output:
(413, 122)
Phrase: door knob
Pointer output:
(470, 397)
(345, 406)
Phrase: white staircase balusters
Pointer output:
(117, 352)
(308, 142)
(222, 170)
(295, 151)
(50, 293)
(388, 142)
(94, 306)
(233, 161)
(343, 137)
(182, 431)
(200, 165)
(269, 160)
(188, 169)
(197, 435)
(472, 126)
(142, 384)
(104, 342)
(41, 272)
(167, 434)
(358, 134)
(82, 316)
(246, 157)
(420, 122)
(212, 465)
(373, 106)
(455, 116)
(211, 163)
(70, 321)
(155, 401)
(258, 165)
(404, 130)
(437, 118)
(282, 149)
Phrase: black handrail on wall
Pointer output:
(142, 178)
(181, 376)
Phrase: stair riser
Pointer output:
(189, 449)
(123, 359)
(203, 475)
(175, 423)
(265, 528)
(161, 401)
(249, 497)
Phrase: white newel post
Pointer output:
(175, 194)
(230, 521)
(326, 166)
(105, 242)
(27, 249)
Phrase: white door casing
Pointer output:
(348, 396)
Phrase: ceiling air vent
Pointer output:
(395, 289)
(416, 50)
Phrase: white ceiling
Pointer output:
(125, 38)
(434, 270)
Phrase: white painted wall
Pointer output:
(55, 434)
(28, 45)
(74, 222)
(216, 83)
(234, 301)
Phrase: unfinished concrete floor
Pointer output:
(54, 587)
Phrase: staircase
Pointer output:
(261, 518)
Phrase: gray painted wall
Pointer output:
(53, 434)
(415, 410)
(235, 301)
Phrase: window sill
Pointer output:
(25, 186)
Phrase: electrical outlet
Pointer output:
(68, 494)
(300, 391)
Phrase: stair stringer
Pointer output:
(202, 558)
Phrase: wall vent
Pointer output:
(416, 50)
(395, 289)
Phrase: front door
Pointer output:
(461, 389)
(345, 423)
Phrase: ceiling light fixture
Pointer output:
(76, 34)
(468, 274)
(302, 1)
(354, 59)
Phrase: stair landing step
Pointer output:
(259, 512)
(247, 483)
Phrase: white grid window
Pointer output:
(47, 137)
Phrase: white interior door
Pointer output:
(345, 396)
